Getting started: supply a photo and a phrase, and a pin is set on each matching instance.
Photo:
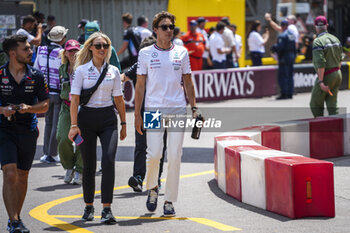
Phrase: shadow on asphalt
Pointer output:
(343, 161)
(57, 187)
(126, 154)
(129, 222)
(215, 189)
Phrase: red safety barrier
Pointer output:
(299, 187)
(233, 168)
(270, 135)
(326, 137)
(223, 138)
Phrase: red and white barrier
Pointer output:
(253, 164)
(303, 187)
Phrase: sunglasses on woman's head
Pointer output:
(165, 27)
(99, 46)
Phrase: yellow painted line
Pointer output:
(348, 75)
(41, 212)
(203, 221)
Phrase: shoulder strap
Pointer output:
(100, 79)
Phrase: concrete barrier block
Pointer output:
(303, 187)
(295, 137)
(253, 175)
(326, 137)
(221, 167)
(233, 168)
(270, 135)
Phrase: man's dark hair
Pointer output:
(28, 19)
(176, 31)
(38, 15)
(225, 20)
(11, 43)
(141, 20)
(234, 26)
(148, 41)
(219, 26)
(51, 18)
(127, 18)
(160, 16)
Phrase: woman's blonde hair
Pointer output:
(85, 54)
(64, 59)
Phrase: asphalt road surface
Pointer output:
(52, 206)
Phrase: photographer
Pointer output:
(23, 93)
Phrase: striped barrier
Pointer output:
(276, 167)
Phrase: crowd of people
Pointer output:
(78, 85)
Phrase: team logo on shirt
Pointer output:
(154, 54)
(5, 80)
(151, 120)
(91, 69)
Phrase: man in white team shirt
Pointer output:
(28, 25)
(292, 20)
(161, 69)
(217, 47)
(142, 27)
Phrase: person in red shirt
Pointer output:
(195, 44)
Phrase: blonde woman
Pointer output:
(97, 119)
(70, 156)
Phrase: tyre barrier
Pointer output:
(277, 166)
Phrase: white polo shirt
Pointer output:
(23, 32)
(164, 70)
(256, 42)
(294, 30)
(228, 38)
(86, 76)
(216, 42)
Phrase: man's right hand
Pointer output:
(138, 123)
(7, 111)
(267, 16)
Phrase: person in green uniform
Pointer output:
(326, 58)
(70, 155)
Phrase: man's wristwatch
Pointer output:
(73, 126)
(194, 108)
(320, 81)
(123, 123)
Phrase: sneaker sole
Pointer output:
(108, 221)
(169, 215)
(134, 185)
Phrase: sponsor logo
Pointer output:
(152, 120)
(5, 80)
(154, 54)
(304, 79)
(224, 84)
(91, 69)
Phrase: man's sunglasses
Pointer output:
(99, 46)
(165, 27)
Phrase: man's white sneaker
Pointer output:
(77, 178)
(57, 158)
(69, 176)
